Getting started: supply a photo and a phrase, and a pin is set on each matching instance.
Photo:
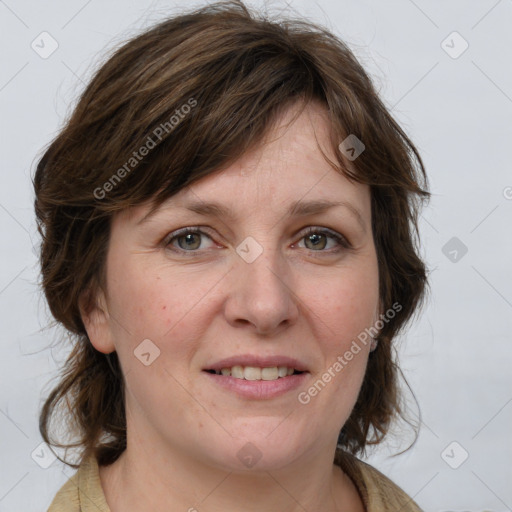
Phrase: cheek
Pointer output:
(140, 305)
(161, 304)
(346, 305)
(146, 305)
(343, 311)
(146, 302)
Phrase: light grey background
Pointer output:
(457, 357)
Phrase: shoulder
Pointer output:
(66, 499)
(82, 492)
(378, 492)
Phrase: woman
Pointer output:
(227, 222)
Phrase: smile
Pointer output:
(256, 373)
(262, 384)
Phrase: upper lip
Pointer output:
(258, 362)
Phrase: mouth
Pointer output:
(255, 372)
(257, 378)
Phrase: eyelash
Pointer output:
(339, 239)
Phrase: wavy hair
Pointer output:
(242, 69)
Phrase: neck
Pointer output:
(144, 478)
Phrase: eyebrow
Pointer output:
(297, 208)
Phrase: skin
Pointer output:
(199, 306)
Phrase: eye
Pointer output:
(317, 240)
(190, 239)
(186, 239)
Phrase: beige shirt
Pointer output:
(83, 491)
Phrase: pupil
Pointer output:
(190, 240)
(315, 239)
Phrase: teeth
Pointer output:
(237, 372)
(255, 373)
(270, 373)
(282, 371)
(252, 373)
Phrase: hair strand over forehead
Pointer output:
(198, 91)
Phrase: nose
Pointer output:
(261, 295)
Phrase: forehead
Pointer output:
(285, 171)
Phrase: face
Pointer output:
(255, 283)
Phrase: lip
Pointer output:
(258, 362)
(258, 389)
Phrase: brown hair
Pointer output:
(237, 71)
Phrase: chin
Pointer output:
(262, 445)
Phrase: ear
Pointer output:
(96, 319)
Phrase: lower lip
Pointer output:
(259, 389)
